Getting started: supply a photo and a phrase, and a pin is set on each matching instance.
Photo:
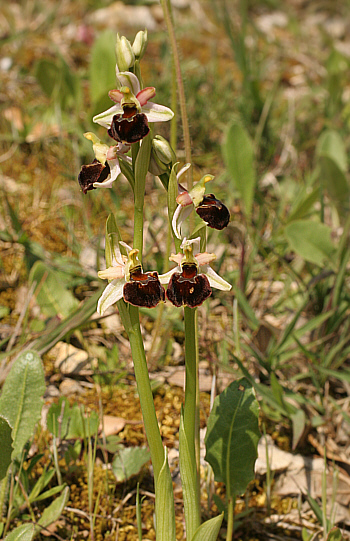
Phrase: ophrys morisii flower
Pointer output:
(191, 281)
(105, 168)
(127, 120)
(215, 214)
(128, 281)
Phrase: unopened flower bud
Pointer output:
(125, 54)
(156, 167)
(140, 44)
(163, 150)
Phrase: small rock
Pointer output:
(70, 386)
(118, 15)
(69, 359)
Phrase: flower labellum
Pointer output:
(190, 283)
(213, 212)
(188, 287)
(130, 129)
(143, 289)
(92, 173)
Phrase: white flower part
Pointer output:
(117, 272)
(126, 78)
(214, 279)
(180, 215)
(196, 243)
(182, 170)
(115, 172)
(165, 278)
(112, 293)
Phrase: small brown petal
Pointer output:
(129, 129)
(213, 212)
(188, 288)
(94, 172)
(143, 289)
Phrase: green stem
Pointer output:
(230, 518)
(130, 319)
(191, 410)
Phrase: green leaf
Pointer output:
(53, 511)
(311, 240)
(165, 511)
(129, 461)
(239, 157)
(334, 180)
(46, 74)
(73, 421)
(102, 65)
(335, 535)
(331, 145)
(21, 398)
(188, 482)
(51, 294)
(298, 420)
(232, 436)
(24, 532)
(5, 445)
(209, 531)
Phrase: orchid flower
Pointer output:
(127, 120)
(105, 168)
(128, 281)
(190, 282)
(210, 209)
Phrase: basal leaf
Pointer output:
(232, 436)
(5, 445)
(209, 531)
(102, 66)
(21, 398)
(311, 240)
(129, 461)
(53, 511)
(51, 294)
(331, 144)
(239, 156)
(24, 532)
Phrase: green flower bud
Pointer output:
(156, 167)
(140, 44)
(124, 52)
(163, 150)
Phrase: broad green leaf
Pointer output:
(300, 209)
(53, 511)
(47, 75)
(311, 240)
(335, 535)
(73, 421)
(5, 446)
(209, 531)
(165, 511)
(298, 420)
(21, 398)
(51, 294)
(334, 180)
(25, 532)
(239, 156)
(188, 482)
(331, 144)
(232, 436)
(102, 66)
(129, 461)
